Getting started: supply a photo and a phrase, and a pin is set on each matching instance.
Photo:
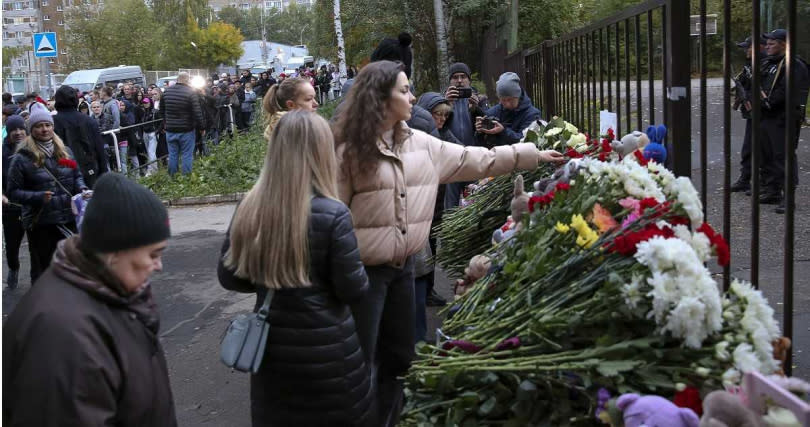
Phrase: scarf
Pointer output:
(46, 147)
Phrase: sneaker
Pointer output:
(12, 279)
(740, 185)
(435, 300)
(780, 209)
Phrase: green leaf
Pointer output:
(612, 368)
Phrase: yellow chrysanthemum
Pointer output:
(562, 228)
(587, 237)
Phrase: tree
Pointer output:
(220, 43)
(341, 47)
(99, 39)
(441, 42)
(11, 52)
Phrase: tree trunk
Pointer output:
(441, 44)
(340, 43)
(448, 34)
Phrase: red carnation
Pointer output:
(68, 163)
(648, 202)
(540, 200)
(689, 398)
(626, 244)
(574, 154)
(563, 186)
(718, 243)
(610, 134)
(641, 160)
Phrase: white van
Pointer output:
(87, 80)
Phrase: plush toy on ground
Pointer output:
(723, 409)
(656, 411)
(478, 268)
(519, 207)
(656, 150)
(631, 142)
(781, 346)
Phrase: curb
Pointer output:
(205, 200)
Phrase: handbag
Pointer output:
(242, 347)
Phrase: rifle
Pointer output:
(740, 93)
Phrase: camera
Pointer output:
(488, 123)
(464, 92)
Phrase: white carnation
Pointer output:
(745, 360)
(732, 377)
(682, 190)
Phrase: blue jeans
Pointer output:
(182, 144)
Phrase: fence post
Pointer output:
(678, 84)
(548, 82)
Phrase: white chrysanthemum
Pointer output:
(698, 241)
(661, 174)
(632, 292)
(745, 360)
(732, 377)
(553, 131)
(721, 351)
(686, 321)
(682, 190)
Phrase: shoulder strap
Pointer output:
(265, 308)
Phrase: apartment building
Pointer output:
(217, 5)
(20, 22)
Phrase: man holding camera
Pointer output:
(505, 122)
(466, 109)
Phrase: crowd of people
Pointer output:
(337, 229)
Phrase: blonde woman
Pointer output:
(291, 94)
(389, 178)
(293, 235)
(42, 178)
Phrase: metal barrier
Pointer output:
(599, 67)
(113, 132)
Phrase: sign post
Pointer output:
(45, 47)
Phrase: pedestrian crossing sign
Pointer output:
(45, 45)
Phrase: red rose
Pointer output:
(689, 398)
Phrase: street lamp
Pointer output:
(301, 38)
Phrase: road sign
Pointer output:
(45, 45)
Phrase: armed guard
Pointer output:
(742, 102)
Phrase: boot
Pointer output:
(770, 197)
(13, 279)
(780, 209)
(742, 184)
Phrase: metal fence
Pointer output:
(610, 64)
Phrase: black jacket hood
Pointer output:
(66, 98)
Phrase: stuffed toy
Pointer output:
(478, 268)
(723, 409)
(654, 411)
(781, 346)
(629, 143)
(519, 207)
(656, 150)
(563, 174)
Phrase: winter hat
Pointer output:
(459, 67)
(39, 115)
(123, 215)
(65, 98)
(508, 85)
(14, 122)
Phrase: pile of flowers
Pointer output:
(605, 287)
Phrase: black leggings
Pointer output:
(43, 240)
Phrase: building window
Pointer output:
(63, 51)
(59, 8)
(61, 22)
(18, 5)
(245, 5)
(46, 18)
(44, 3)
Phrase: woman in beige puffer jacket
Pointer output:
(389, 176)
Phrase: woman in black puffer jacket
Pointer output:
(291, 234)
(46, 212)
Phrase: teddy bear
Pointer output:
(656, 150)
(478, 268)
(633, 141)
(781, 346)
(519, 207)
(655, 411)
(723, 409)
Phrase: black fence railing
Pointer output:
(606, 66)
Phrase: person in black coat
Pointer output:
(42, 177)
(81, 348)
(13, 230)
(79, 132)
(313, 371)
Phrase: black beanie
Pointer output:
(66, 98)
(395, 50)
(123, 215)
(459, 67)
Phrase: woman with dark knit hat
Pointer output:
(42, 177)
(81, 348)
(13, 230)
